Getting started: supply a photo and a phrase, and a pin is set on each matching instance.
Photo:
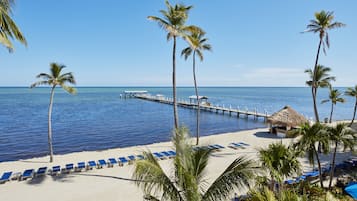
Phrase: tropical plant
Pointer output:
(321, 24)
(310, 136)
(174, 24)
(353, 93)
(188, 183)
(8, 28)
(280, 161)
(334, 98)
(197, 44)
(340, 135)
(319, 78)
(54, 79)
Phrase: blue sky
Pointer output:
(111, 42)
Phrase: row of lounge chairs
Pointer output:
(111, 162)
(238, 145)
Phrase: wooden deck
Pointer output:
(211, 108)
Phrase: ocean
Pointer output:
(98, 119)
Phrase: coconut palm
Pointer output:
(319, 78)
(340, 135)
(322, 23)
(334, 98)
(188, 182)
(312, 135)
(174, 24)
(280, 161)
(8, 28)
(197, 45)
(352, 92)
(54, 79)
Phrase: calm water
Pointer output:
(96, 118)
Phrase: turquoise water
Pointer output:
(96, 118)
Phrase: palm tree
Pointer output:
(280, 161)
(8, 28)
(174, 24)
(340, 135)
(352, 92)
(54, 79)
(320, 78)
(188, 182)
(311, 135)
(335, 98)
(321, 24)
(197, 45)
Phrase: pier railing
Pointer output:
(207, 107)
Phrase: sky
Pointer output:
(112, 43)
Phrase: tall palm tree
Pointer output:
(322, 23)
(54, 79)
(352, 92)
(8, 28)
(173, 23)
(311, 135)
(188, 183)
(340, 135)
(280, 161)
(334, 97)
(319, 78)
(197, 44)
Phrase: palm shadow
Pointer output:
(266, 135)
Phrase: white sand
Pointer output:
(114, 184)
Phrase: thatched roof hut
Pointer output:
(287, 117)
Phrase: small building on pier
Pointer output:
(129, 94)
(202, 99)
(284, 120)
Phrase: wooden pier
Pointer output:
(211, 108)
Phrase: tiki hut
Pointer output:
(285, 120)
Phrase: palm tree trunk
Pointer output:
(49, 124)
(314, 81)
(354, 113)
(197, 98)
(319, 166)
(331, 112)
(333, 166)
(174, 83)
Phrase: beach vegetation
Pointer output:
(55, 79)
(310, 136)
(197, 44)
(187, 179)
(8, 28)
(334, 98)
(340, 135)
(321, 24)
(319, 78)
(173, 22)
(352, 91)
(280, 161)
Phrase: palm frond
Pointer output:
(39, 83)
(69, 89)
(237, 175)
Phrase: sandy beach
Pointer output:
(113, 184)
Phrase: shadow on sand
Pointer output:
(267, 135)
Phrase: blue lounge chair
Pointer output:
(236, 146)
(91, 165)
(5, 177)
(69, 167)
(165, 153)
(140, 157)
(28, 174)
(245, 144)
(219, 146)
(112, 162)
(55, 170)
(131, 158)
(159, 156)
(80, 166)
(41, 171)
(122, 161)
(101, 163)
(172, 153)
